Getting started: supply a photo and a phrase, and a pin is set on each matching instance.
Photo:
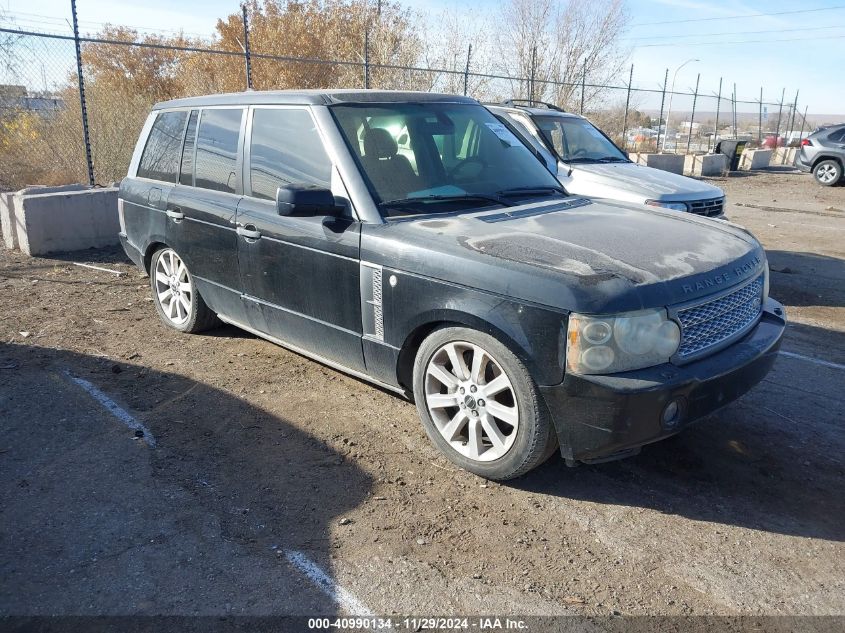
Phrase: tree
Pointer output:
(578, 38)
(448, 38)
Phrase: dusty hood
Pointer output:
(574, 255)
(641, 181)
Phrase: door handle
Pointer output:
(175, 214)
(248, 231)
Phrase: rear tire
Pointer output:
(828, 173)
(175, 295)
(480, 406)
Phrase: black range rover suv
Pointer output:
(412, 240)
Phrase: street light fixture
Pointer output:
(671, 94)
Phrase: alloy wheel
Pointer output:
(174, 289)
(471, 401)
(826, 174)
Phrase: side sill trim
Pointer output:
(312, 356)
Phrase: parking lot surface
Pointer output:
(148, 472)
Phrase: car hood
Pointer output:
(647, 182)
(575, 254)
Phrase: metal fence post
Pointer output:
(366, 56)
(662, 103)
(246, 50)
(583, 86)
(466, 70)
(627, 105)
(733, 109)
(533, 75)
(692, 115)
(760, 120)
(780, 112)
(803, 121)
(716, 124)
(89, 161)
(791, 127)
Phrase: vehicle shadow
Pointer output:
(807, 279)
(770, 461)
(227, 494)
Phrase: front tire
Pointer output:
(828, 173)
(176, 298)
(479, 405)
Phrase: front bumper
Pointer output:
(599, 416)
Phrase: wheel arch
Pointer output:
(823, 157)
(155, 244)
(429, 322)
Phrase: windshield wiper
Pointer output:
(613, 159)
(531, 191)
(402, 202)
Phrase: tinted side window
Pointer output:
(160, 160)
(217, 149)
(286, 148)
(837, 136)
(186, 173)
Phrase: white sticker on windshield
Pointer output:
(503, 133)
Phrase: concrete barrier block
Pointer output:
(67, 220)
(755, 159)
(666, 162)
(705, 165)
(8, 220)
(784, 156)
(41, 189)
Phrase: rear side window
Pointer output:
(160, 160)
(186, 173)
(837, 135)
(286, 148)
(217, 149)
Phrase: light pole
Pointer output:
(671, 94)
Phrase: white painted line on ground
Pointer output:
(115, 409)
(324, 582)
(810, 359)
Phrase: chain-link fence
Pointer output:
(46, 122)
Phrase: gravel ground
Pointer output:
(260, 452)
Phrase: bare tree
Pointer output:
(568, 38)
(587, 42)
(449, 36)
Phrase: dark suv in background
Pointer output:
(412, 240)
(823, 154)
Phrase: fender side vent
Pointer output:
(372, 312)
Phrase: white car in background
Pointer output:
(589, 164)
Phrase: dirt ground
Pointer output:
(260, 452)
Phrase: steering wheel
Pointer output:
(473, 160)
(578, 152)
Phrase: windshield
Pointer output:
(577, 141)
(440, 157)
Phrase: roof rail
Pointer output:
(518, 103)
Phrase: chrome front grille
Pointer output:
(705, 325)
(710, 208)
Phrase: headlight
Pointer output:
(620, 342)
(675, 206)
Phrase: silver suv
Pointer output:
(589, 164)
(823, 154)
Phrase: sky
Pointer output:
(793, 51)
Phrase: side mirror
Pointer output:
(305, 200)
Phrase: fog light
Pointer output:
(671, 414)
